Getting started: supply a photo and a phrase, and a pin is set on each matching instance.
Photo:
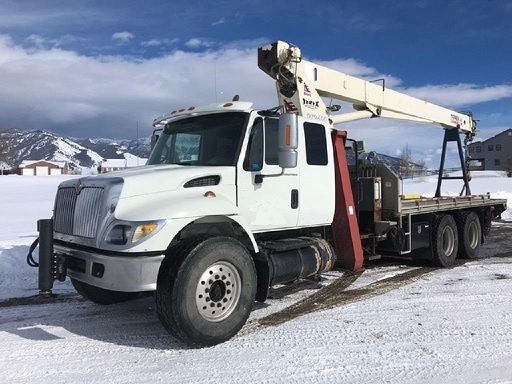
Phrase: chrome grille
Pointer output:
(77, 214)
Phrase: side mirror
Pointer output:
(154, 137)
(288, 140)
(360, 147)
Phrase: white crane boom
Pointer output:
(302, 84)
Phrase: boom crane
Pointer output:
(302, 84)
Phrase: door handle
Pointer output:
(295, 199)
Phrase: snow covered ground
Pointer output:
(444, 326)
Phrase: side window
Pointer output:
(316, 145)
(271, 141)
(254, 157)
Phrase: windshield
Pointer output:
(212, 139)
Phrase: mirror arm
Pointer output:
(258, 179)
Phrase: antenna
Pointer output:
(137, 143)
(215, 77)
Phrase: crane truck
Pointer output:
(234, 200)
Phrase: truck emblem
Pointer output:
(79, 186)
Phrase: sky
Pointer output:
(108, 68)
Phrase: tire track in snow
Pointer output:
(336, 294)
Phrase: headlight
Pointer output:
(121, 234)
(143, 230)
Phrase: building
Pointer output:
(109, 165)
(492, 154)
(43, 168)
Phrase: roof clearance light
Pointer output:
(191, 108)
(228, 105)
(173, 112)
(181, 110)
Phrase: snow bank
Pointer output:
(448, 326)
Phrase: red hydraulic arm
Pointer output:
(347, 241)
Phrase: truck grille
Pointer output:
(78, 214)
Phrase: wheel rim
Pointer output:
(448, 241)
(473, 235)
(218, 291)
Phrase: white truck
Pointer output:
(235, 200)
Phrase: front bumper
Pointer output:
(115, 273)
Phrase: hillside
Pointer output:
(22, 145)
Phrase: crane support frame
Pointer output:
(347, 240)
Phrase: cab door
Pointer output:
(268, 199)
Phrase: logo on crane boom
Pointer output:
(456, 120)
(307, 91)
(310, 103)
(289, 106)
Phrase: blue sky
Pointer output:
(100, 68)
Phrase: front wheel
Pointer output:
(205, 290)
(445, 241)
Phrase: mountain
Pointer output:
(18, 145)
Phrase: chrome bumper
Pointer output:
(115, 273)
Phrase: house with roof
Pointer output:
(43, 168)
(492, 154)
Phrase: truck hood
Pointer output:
(151, 179)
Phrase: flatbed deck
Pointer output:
(447, 203)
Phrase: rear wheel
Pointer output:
(444, 241)
(205, 290)
(470, 235)
(100, 295)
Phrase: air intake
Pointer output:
(203, 181)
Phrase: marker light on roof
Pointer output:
(228, 105)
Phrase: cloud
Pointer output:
(45, 86)
(77, 95)
(159, 42)
(122, 37)
(222, 20)
(358, 69)
(460, 95)
(36, 40)
(152, 43)
(198, 43)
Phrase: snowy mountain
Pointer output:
(19, 145)
(22, 145)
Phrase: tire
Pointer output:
(444, 241)
(205, 290)
(100, 295)
(470, 235)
